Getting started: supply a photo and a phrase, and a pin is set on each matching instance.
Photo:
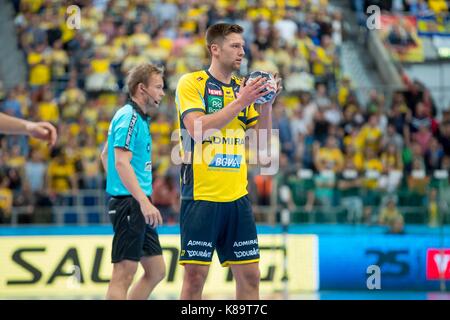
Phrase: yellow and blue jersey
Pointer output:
(214, 169)
(130, 129)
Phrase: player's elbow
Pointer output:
(196, 135)
(121, 163)
(197, 127)
(104, 155)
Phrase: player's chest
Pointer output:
(218, 96)
(144, 139)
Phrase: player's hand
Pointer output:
(44, 131)
(249, 92)
(277, 89)
(151, 214)
(278, 80)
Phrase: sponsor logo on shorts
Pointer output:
(198, 253)
(199, 243)
(232, 161)
(245, 243)
(248, 253)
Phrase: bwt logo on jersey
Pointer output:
(215, 92)
(232, 161)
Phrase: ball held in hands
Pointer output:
(271, 88)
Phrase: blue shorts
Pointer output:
(228, 227)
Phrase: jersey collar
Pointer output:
(230, 85)
(138, 109)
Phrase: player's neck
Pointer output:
(139, 100)
(220, 73)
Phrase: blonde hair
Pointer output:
(141, 74)
(217, 33)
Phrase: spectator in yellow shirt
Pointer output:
(371, 134)
(390, 216)
(392, 158)
(6, 200)
(373, 168)
(260, 62)
(139, 38)
(90, 164)
(354, 156)
(39, 64)
(329, 157)
(60, 174)
(100, 76)
(16, 159)
(59, 61)
(161, 130)
(48, 109)
(438, 6)
(71, 101)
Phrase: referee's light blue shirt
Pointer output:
(130, 129)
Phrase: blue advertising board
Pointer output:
(344, 261)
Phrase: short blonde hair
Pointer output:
(217, 33)
(141, 74)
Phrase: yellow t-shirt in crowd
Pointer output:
(333, 156)
(322, 63)
(100, 65)
(6, 200)
(48, 111)
(438, 5)
(59, 176)
(40, 73)
(161, 132)
(372, 165)
(371, 137)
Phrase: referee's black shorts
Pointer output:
(133, 238)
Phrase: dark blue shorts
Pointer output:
(228, 227)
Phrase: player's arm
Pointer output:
(41, 130)
(264, 127)
(128, 177)
(201, 125)
(265, 110)
(104, 157)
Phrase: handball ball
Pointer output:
(271, 89)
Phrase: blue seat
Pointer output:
(70, 218)
(93, 217)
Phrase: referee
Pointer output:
(126, 158)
